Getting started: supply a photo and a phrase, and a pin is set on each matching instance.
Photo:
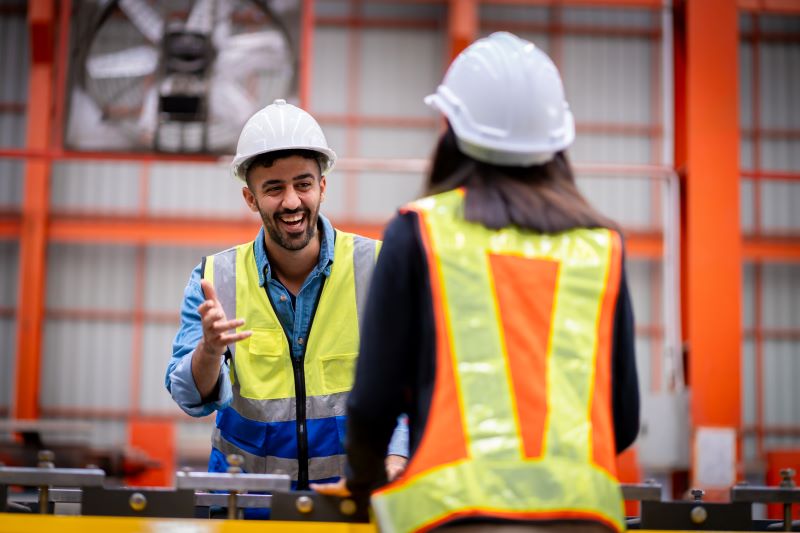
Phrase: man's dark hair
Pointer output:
(269, 158)
(542, 198)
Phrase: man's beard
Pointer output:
(291, 242)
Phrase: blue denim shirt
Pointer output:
(295, 320)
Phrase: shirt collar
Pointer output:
(327, 238)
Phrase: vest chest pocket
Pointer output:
(338, 371)
(263, 368)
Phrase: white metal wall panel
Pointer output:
(96, 186)
(746, 153)
(86, 364)
(8, 334)
(628, 201)
(781, 394)
(407, 10)
(782, 155)
(780, 85)
(595, 148)
(399, 68)
(747, 215)
(779, 206)
(608, 79)
(167, 270)
(529, 14)
(779, 23)
(781, 296)
(13, 75)
(611, 18)
(94, 277)
(389, 143)
(196, 190)
(330, 72)
(639, 276)
(9, 270)
(745, 85)
(381, 193)
(748, 400)
(11, 183)
(156, 353)
(331, 8)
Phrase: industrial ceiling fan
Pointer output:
(177, 75)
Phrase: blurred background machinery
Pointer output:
(115, 118)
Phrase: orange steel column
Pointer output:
(713, 267)
(33, 237)
(462, 25)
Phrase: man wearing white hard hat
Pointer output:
(508, 290)
(269, 329)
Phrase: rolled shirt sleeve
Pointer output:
(179, 380)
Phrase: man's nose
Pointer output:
(291, 200)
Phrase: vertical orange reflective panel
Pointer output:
(525, 290)
(713, 235)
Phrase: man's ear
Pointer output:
(322, 185)
(250, 199)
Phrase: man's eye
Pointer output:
(304, 186)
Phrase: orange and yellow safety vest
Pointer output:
(520, 424)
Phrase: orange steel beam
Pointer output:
(10, 227)
(713, 238)
(766, 249)
(306, 52)
(770, 6)
(462, 25)
(649, 4)
(33, 233)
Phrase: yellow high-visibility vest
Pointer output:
(269, 394)
(520, 424)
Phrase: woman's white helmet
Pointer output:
(505, 102)
(280, 126)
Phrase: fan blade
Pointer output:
(86, 128)
(230, 102)
(201, 16)
(149, 115)
(222, 23)
(247, 52)
(145, 18)
(138, 61)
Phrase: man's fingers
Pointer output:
(222, 325)
(208, 289)
(231, 338)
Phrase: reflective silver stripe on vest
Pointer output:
(318, 467)
(225, 284)
(285, 409)
(363, 265)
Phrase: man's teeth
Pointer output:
(291, 219)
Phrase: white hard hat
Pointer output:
(280, 126)
(505, 102)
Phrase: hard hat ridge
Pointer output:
(280, 126)
(505, 101)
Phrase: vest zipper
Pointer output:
(302, 432)
(300, 405)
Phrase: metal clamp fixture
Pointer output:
(236, 483)
(46, 475)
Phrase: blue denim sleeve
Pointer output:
(179, 380)
(399, 443)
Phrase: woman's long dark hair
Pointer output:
(542, 198)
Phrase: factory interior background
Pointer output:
(114, 183)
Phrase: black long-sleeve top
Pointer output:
(397, 362)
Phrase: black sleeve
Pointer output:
(389, 349)
(624, 379)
